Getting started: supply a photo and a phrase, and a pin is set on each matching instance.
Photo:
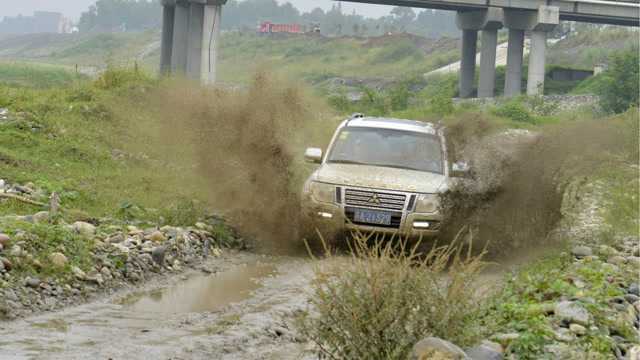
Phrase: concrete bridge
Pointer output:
(190, 35)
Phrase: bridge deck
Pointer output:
(615, 12)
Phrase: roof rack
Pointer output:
(356, 116)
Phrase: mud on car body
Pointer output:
(380, 174)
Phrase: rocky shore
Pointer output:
(47, 263)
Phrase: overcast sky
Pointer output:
(73, 8)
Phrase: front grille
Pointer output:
(396, 219)
(374, 199)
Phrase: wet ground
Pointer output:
(245, 309)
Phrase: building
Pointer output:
(40, 22)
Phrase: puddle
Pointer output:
(202, 293)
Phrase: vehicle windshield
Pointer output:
(389, 148)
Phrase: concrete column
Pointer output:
(489, 21)
(468, 62)
(538, 23)
(513, 76)
(487, 83)
(535, 81)
(210, 43)
(194, 41)
(180, 36)
(168, 18)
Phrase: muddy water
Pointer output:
(202, 293)
(246, 311)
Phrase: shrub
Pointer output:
(515, 111)
(442, 105)
(379, 302)
(399, 97)
(619, 89)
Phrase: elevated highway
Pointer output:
(625, 12)
(191, 30)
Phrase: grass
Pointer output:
(69, 140)
(15, 74)
(385, 297)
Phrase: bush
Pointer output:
(378, 303)
(619, 89)
(515, 111)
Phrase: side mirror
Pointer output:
(313, 155)
(460, 169)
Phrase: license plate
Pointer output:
(372, 217)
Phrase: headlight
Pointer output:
(427, 203)
(322, 192)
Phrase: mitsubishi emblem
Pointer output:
(374, 199)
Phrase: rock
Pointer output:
(32, 282)
(123, 249)
(634, 261)
(572, 312)
(41, 217)
(157, 236)
(6, 263)
(631, 298)
(487, 350)
(95, 277)
(617, 260)
(1, 247)
(578, 329)
(84, 228)
(581, 251)
(78, 273)
(217, 252)
(115, 238)
(607, 250)
(16, 251)
(634, 353)
(58, 259)
(634, 289)
(563, 335)
(435, 348)
(157, 254)
(105, 272)
(4, 239)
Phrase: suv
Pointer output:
(380, 174)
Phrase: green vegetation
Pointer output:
(619, 89)
(382, 300)
(72, 141)
(37, 76)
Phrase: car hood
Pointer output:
(381, 178)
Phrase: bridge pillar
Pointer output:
(538, 23)
(513, 73)
(548, 18)
(168, 18)
(489, 21)
(210, 42)
(180, 38)
(468, 63)
(194, 40)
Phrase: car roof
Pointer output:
(395, 124)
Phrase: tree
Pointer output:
(619, 89)
(403, 16)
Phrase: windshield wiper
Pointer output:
(339, 161)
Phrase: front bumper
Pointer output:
(331, 218)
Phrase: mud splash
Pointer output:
(241, 149)
(203, 293)
(520, 177)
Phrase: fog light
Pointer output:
(325, 215)
(421, 224)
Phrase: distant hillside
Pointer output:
(588, 48)
(310, 57)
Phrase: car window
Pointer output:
(388, 147)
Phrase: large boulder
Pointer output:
(572, 312)
(84, 228)
(433, 348)
(4, 239)
(58, 259)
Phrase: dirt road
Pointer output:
(241, 311)
(244, 309)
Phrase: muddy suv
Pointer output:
(380, 174)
